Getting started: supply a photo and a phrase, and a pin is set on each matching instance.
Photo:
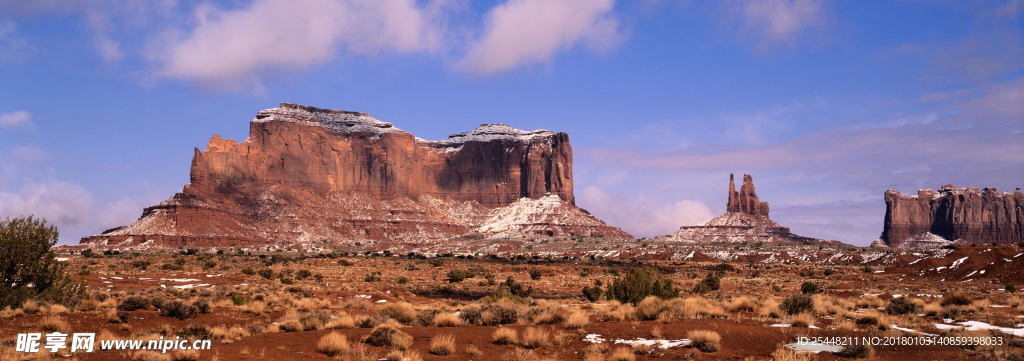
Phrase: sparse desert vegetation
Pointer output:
(499, 309)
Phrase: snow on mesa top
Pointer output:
(342, 121)
(489, 132)
(348, 122)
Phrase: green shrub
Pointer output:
(511, 289)
(810, 288)
(856, 350)
(132, 303)
(372, 277)
(28, 267)
(178, 309)
(302, 274)
(639, 283)
(535, 274)
(710, 283)
(797, 303)
(457, 275)
(900, 306)
(1011, 288)
(955, 299)
(266, 273)
(248, 271)
(592, 294)
(141, 264)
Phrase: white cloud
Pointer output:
(13, 47)
(524, 32)
(780, 22)
(233, 48)
(61, 203)
(637, 215)
(15, 119)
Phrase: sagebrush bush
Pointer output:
(178, 309)
(639, 283)
(797, 303)
(900, 306)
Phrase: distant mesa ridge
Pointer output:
(745, 220)
(308, 175)
(952, 214)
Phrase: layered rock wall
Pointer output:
(307, 174)
(967, 214)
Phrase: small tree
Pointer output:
(640, 283)
(28, 267)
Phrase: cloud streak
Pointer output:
(527, 32)
(15, 119)
(234, 48)
(776, 23)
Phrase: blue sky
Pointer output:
(825, 103)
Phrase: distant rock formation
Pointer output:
(745, 201)
(963, 215)
(745, 220)
(322, 176)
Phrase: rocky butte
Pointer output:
(745, 220)
(964, 215)
(313, 178)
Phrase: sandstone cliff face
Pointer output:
(745, 220)
(307, 174)
(952, 213)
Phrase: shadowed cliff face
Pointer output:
(306, 173)
(967, 214)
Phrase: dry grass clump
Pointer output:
(333, 344)
(856, 351)
(114, 316)
(741, 304)
(185, 355)
(314, 320)
(535, 337)
(291, 325)
(831, 305)
(705, 340)
(54, 324)
(802, 320)
(227, 335)
(654, 308)
(544, 313)
(472, 350)
(30, 306)
(617, 311)
(768, 307)
(389, 334)
(505, 336)
(873, 319)
(931, 309)
(785, 354)
(396, 355)
(447, 319)
(869, 301)
(150, 356)
(523, 355)
(577, 319)
(344, 320)
(442, 345)
(621, 354)
(402, 312)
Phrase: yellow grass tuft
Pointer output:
(447, 319)
(185, 355)
(402, 312)
(621, 354)
(333, 344)
(534, 337)
(577, 319)
(53, 324)
(150, 356)
(505, 336)
(442, 345)
(704, 340)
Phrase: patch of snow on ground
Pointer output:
(192, 285)
(958, 262)
(814, 347)
(912, 331)
(978, 325)
(182, 280)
